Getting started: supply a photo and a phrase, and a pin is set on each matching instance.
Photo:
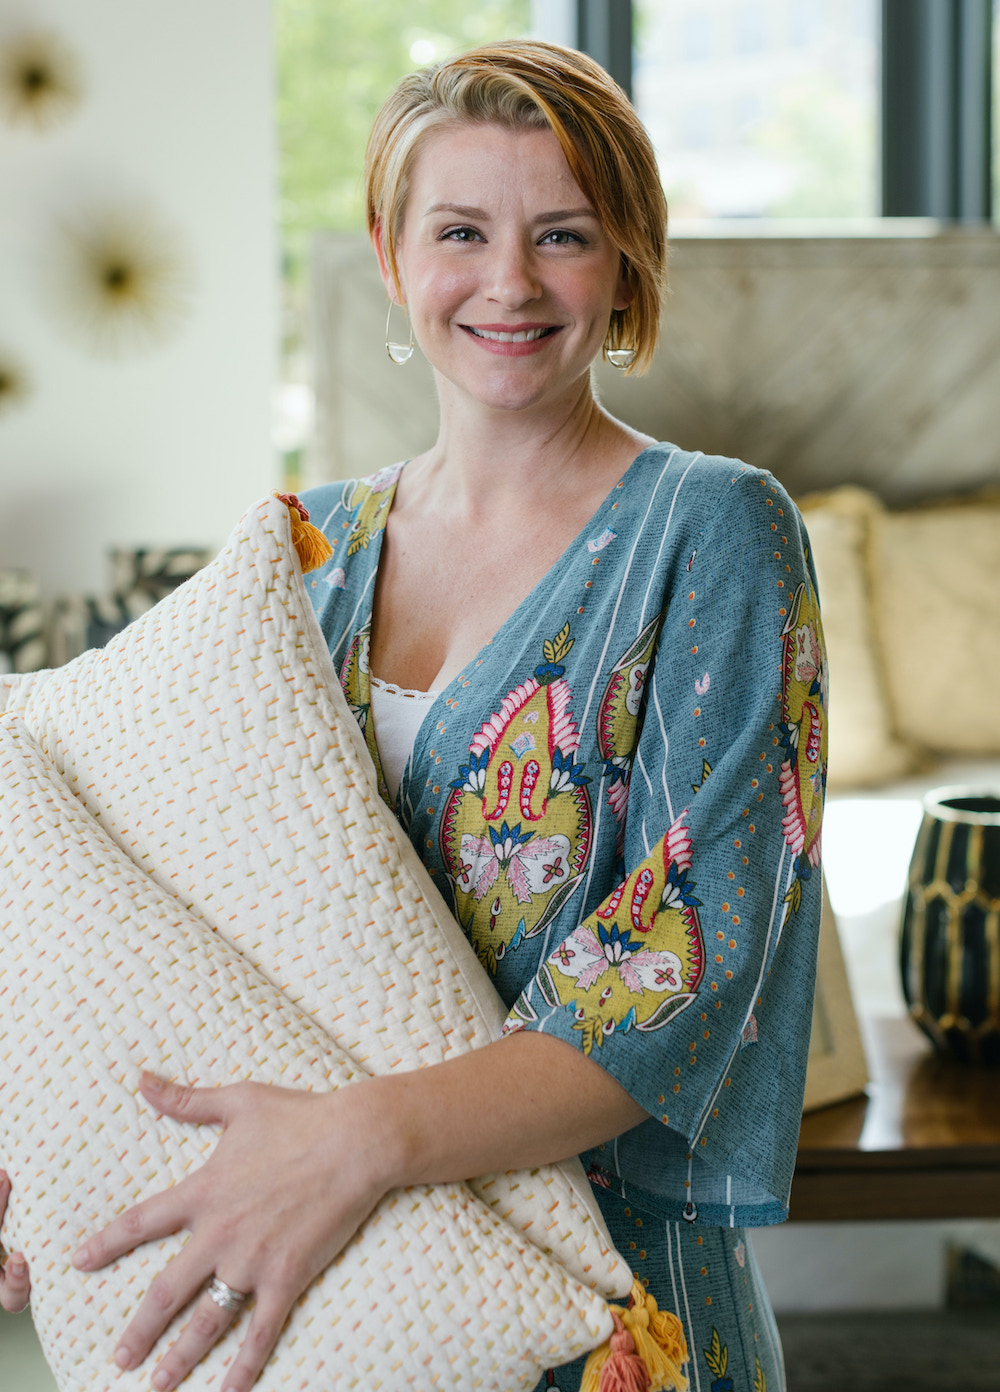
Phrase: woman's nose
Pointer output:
(513, 279)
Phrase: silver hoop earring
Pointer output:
(620, 357)
(398, 352)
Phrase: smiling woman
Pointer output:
(575, 656)
(512, 260)
(608, 160)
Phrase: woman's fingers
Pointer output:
(262, 1211)
(207, 1324)
(174, 1288)
(15, 1279)
(184, 1103)
(15, 1284)
(163, 1213)
(266, 1324)
(157, 1216)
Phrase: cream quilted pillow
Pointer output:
(211, 743)
(864, 745)
(937, 585)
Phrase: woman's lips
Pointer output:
(511, 341)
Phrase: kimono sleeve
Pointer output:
(710, 933)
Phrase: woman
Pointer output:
(589, 669)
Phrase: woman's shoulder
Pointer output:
(704, 485)
(355, 507)
(708, 470)
(327, 502)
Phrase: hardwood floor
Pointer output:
(893, 1351)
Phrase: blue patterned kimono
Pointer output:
(620, 797)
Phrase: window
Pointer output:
(788, 90)
(696, 35)
(337, 61)
(750, 34)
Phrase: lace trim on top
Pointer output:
(398, 714)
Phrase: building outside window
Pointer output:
(761, 110)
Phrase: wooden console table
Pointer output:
(923, 1143)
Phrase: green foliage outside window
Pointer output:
(337, 61)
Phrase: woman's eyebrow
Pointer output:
(459, 209)
(481, 215)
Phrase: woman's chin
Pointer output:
(514, 391)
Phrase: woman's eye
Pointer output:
(560, 237)
(460, 234)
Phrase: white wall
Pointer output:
(811, 1267)
(166, 447)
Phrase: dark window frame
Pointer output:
(936, 109)
(935, 128)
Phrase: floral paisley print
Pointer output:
(516, 830)
(368, 501)
(618, 716)
(717, 1358)
(620, 797)
(803, 734)
(354, 680)
(643, 958)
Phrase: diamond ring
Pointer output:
(224, 1296)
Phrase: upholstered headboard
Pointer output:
(871, 360)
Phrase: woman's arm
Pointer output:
(527, 1100)
(709, 939)
(295, 1174)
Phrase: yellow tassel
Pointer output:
(658, 1337)
(311, 545)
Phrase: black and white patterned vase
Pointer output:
(950, 940)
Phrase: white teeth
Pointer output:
(522, 336)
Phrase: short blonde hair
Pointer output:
(524, 84)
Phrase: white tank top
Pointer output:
(398, 715)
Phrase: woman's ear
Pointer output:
(390, 278)
(625, 293)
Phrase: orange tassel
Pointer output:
(311, 545)
(624, 1370)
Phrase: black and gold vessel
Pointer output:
(950, 940)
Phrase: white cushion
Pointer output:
(211, 743)
(864, 745)
(937, 586)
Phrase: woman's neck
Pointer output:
(483, 456)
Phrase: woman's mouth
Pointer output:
(511, 335)
(519, 341)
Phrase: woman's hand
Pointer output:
(15, 1281)
(293, 1177)
(295, 1174)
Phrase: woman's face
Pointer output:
(506, 271)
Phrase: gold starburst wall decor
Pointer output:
(15, 383)
(41, 80)
(119, 280)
